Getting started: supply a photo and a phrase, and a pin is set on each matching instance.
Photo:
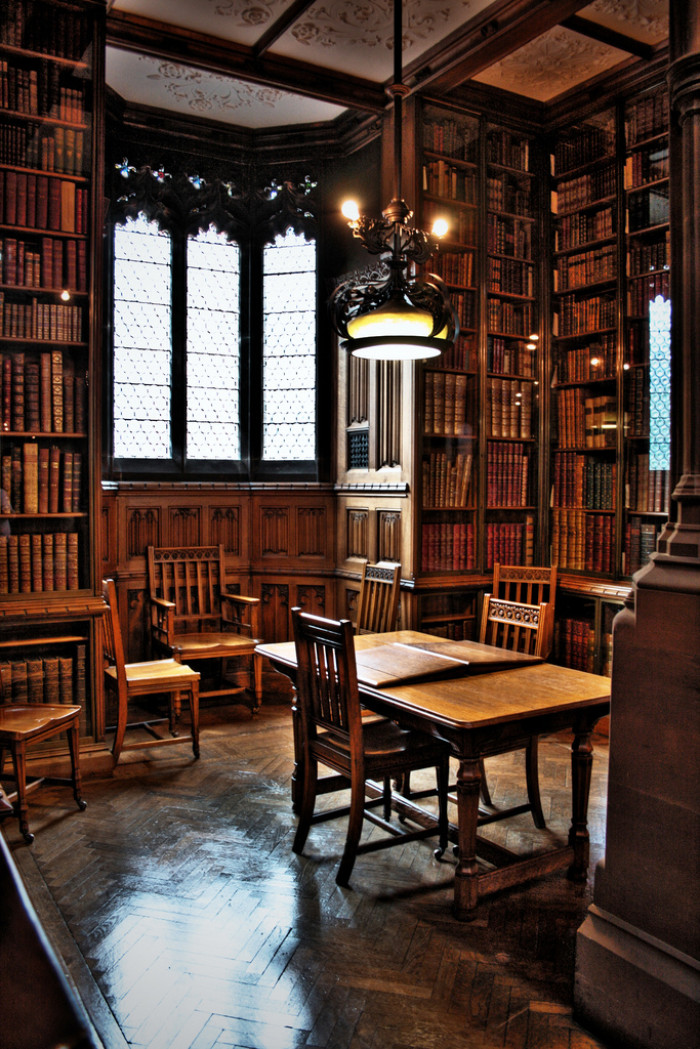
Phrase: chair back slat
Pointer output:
(190, 577)
(327, 677)
(514, 625)
(378, 603)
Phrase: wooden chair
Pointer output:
(22, 725)
(195, 620)
(530, 585)
(378, 603)
(131, 682)
(518, 627)
(333, 734)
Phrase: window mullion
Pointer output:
(178, 403)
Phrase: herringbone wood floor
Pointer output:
(186, 922)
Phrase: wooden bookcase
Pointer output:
(50, 165)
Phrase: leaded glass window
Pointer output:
(659, 383)
(213, 347)
(289, 348)
(142, 340)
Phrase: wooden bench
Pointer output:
(196, 619)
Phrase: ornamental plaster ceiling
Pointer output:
(272, 63)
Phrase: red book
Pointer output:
(54, 478)
(42, 202)
(43, 480)
(54, 204)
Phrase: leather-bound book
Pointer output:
(52, 693)
(47, 561)
(37, 566)
(25, 563)
(65, 679)
(72, 569)
(60, 561)
(54, 478)
(67, 483)
(57, 390)
(32, 412)
(30, 477)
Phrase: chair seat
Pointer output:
(18, 721)
(384, 744)
(209, 645)
(167, 672)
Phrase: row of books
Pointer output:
(646, 166)
(455, 267)
(506, 193)
(37, 92)
(38, 562)
(447, 547)
(583, 482)
(509, 408)
(445, 404)
(42, 202)
(458, 139)
(40, 321)
(646, 255)
(640, 543)
(43, 146)
(582, 227)
(447, 480)
(585, 421)
(509, 357)
(644, 290)
(511, 542)
(448, 605)
(583, 190)
(53, 264)
(582, 146)
(460, 356)
(582, 541)
(647, 490)
(575, 643)
(648, 207)
(510, 318)
(507, 473)
(36, 25)
(464, 303)
(588, 267)
(592, 362)
(41, 480)
(509, 236)
(42, 393)
(510, 275)
(576, 316)
(506, 148)
(442, 179)
(455, 630)
(648, 116)
(45, 679)
(637, 402)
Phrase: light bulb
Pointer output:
(350, 210)
(440, 227)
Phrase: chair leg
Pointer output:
(442, 773)
(19, 760)
(120, 729)
(194, 717)
(74, 747)
(352, 840)
(257, 681)
(533, 782)
(308, 802)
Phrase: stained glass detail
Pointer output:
(213, 347)
(289, 348)
(142, 353)
(659, 383)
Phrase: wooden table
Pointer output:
(480, 711)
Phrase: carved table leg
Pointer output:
(581, 766)
(466, 874)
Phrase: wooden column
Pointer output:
(637, 966)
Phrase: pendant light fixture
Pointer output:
(403, 317)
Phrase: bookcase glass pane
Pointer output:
(289, 348)
(213, 346)
(142, 354)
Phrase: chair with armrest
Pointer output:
(378, 603)
(195, 620)
(334, 734)
(21, 726)
(518, 627)
(132, 683)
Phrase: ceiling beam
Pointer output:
(280, 27)
(492, 35)
(188, 47)
(603, 35)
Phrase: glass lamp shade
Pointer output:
(395, 331)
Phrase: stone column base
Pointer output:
(646, 995)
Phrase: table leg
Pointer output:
(581, 766)
(467, 871)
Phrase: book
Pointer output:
(30, 477)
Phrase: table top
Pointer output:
(491, 695)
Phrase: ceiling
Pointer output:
(272, 63)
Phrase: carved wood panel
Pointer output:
(275, 611)
(185, 526)
(312, 531)
(274, 531)
(312, 599)
(225, 528)
(388, 535)
(142, 530)
(357, 532)
(388, 413)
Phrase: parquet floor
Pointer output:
(186, 922)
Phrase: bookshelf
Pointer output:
(584, 406)
(49, 164)
(646, 368)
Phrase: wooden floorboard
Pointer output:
(185, 921)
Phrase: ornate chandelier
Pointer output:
(403, 317)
